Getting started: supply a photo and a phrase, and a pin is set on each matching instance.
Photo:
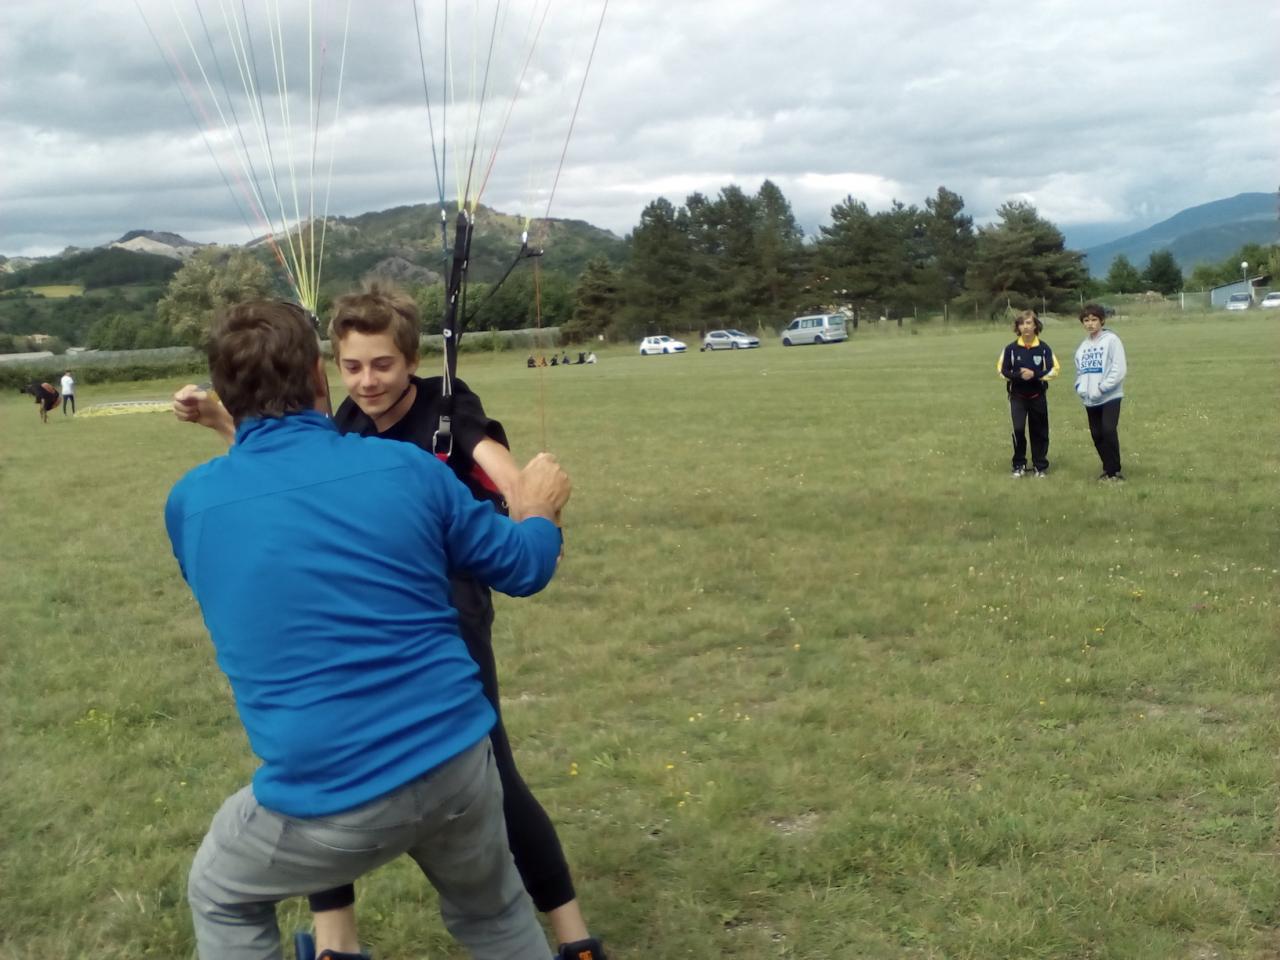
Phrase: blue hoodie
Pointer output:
(1100, 369)
(321, 564)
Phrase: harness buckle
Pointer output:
(442, 439)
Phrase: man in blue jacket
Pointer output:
(321, 564)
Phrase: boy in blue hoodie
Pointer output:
(1100, 370)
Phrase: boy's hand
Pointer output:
(1026, 373)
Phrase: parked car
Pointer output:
(1239, 301)
(820, 328)
(663, 344)
(1271, 301)
(728, 340)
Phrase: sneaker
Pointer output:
(1041, 474)
(304, 948)
(589, 949)
(1019, 472)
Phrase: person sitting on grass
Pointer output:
(343, 651)
(374, 335)
(1027, 365)
(46, 397)
(1100, 372)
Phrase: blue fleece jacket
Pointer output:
(321, 563)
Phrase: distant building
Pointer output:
(1218, 296)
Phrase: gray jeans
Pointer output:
(449, 821)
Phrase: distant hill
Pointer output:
(157, 242)
(103, 267)
(1207, 233)
(404, 244)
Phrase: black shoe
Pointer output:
(588, 949)
(304, 948)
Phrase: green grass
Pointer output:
(835, 686)
(59, 291)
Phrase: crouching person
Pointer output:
(321, 565)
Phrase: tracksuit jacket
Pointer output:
(1035, 356)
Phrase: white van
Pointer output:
(820, 328)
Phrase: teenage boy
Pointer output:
(1027, 365)
(68, 392)
(1100, 370)
(321, 565)
(374, 334)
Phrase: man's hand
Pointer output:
(191, 404)
(542, 489)
(1026, 373)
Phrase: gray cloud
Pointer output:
(1096, 112)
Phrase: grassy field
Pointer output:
(58, 291)
(817, 679)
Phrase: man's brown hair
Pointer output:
(377, 308)
(262, 359)
(1025, 314)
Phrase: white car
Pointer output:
(1271, 301)
(728, 340)
(651, 345)
(1239, 301)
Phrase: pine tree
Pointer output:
(1023, 260)
(595, 302)
(1162, 273)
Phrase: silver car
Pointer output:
(819, 328)
(1239, 301)
(728, 340)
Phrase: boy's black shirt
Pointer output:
(469, 425)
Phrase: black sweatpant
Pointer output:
(1103, 423)
(68, 400)
(530, 832)
(1033, 412)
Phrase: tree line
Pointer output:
(741, 260)
(732, 260)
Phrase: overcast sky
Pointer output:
(1098, 112)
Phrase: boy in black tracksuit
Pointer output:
(1027, 366)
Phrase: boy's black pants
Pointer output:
(1104, 422)
(1033, 412)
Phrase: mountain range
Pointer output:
(1208, 233)
(403, 243)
